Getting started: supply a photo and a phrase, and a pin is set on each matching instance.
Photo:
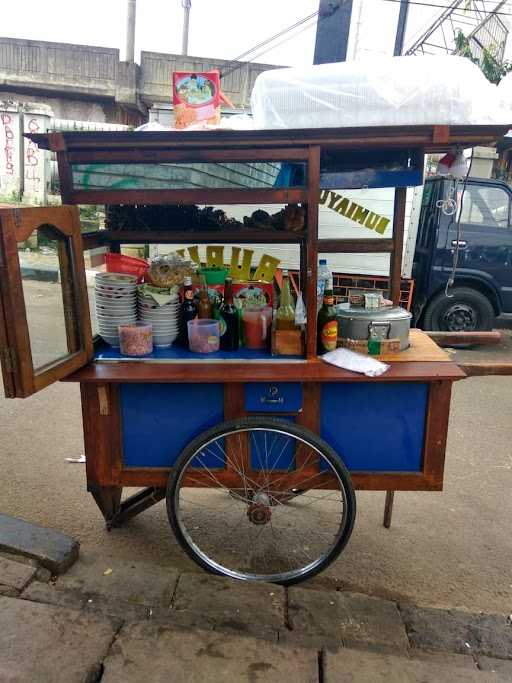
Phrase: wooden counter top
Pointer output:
(295, 371)
(423, 361)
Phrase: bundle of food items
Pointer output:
(176, 217)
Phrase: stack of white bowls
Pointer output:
(115, 296)
(163, 318)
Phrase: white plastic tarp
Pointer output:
(388, 91)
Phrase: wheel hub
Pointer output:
(259, 511)
(460, 318)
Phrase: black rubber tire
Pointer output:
(270, 422)
(471, 299)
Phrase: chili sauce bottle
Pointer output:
(230, 339)
(188, 311)
(204, 308)
(327, 327)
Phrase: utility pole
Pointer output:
(186, 16)
(332, 31)
(130, 30)
(401, 26)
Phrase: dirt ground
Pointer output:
(449, 549)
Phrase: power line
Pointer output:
(275, 36)
(427, 4)
(286, 40)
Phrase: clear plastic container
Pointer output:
(323, 275)
(257, 325)
(203, 335)
(136, 339)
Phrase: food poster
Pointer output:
(196, 98)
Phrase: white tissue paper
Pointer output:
(388, 91)
(356, 362)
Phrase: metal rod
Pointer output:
(401, 26)
(130, 30)
(186, 19)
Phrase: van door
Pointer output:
(484, 237)
(45, 326)
(425, 249)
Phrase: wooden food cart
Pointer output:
(256, 455)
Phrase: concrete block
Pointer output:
(53, 595)
(9, 592)
(333, 618)
(354, 666)
(150, 652)
(457, 631)
(50, 644)
(50, 548)
(446, 658)
(233, 605)
(41, 272)
(503, 667)
(116, 580)
(14, 574)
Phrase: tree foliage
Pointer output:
(493, 69)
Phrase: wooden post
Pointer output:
(312, 248)
(388, 508)
(395, 281)
(398, 244)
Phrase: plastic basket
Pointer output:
(119, 263)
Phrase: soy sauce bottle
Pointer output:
(204, 307)
(188, 311)
(230, 340)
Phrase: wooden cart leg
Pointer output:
(108, 499)
(388, 508)
(136, 504)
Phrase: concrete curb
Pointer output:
(328, 632)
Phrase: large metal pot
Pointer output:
(386, 322)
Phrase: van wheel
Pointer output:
(467, 310)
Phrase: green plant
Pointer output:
(493, 69)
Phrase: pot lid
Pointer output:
(384, 313)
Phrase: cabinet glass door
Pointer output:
(45, 328)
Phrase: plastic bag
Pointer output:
(388, 91)
(300, 311)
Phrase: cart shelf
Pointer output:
(177, 354)
(202, 236)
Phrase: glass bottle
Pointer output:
(204, 308)
(327, 328)
(285, 315)
(230, 339)
(188, 311)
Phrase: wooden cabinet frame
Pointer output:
(20, 377)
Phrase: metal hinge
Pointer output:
(9, 360)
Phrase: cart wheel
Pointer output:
(234, 505)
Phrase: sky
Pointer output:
(220, 29)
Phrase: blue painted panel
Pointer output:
(377, 427)
(273, 397)
(158, 420)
